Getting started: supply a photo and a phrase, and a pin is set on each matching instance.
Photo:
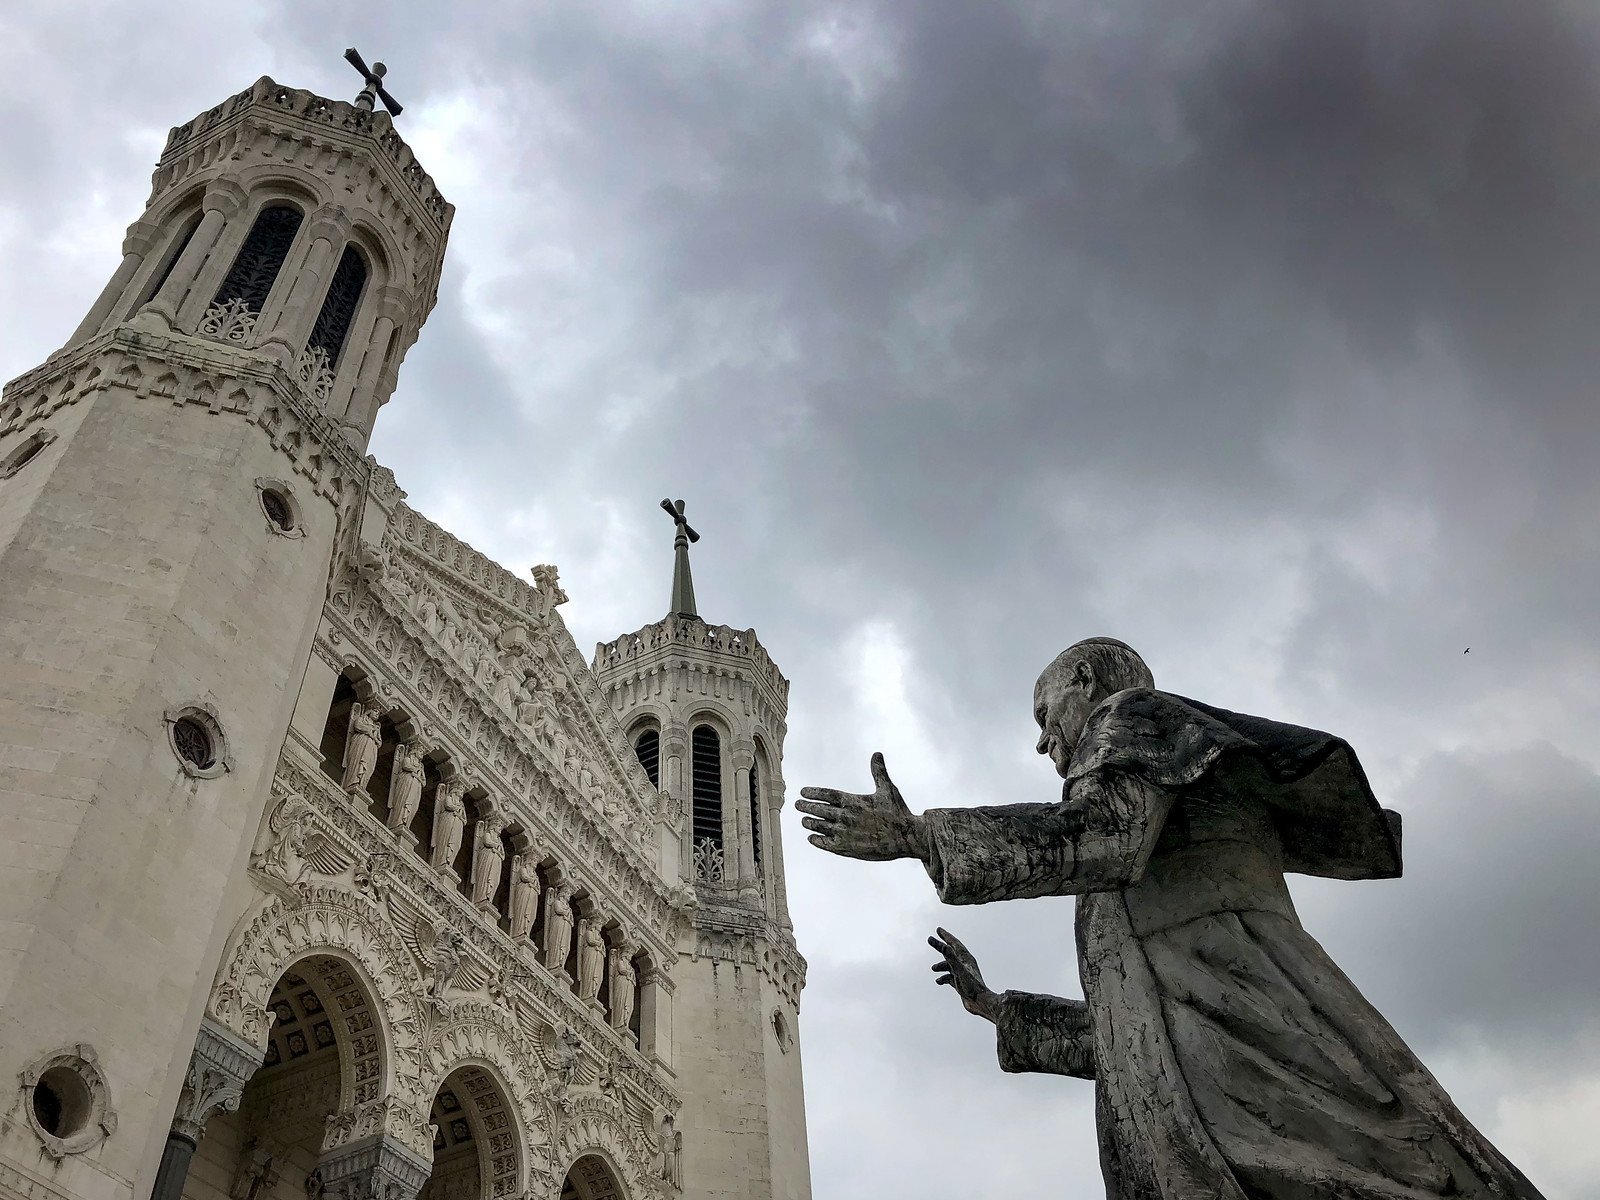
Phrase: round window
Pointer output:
(276, 505)
(61, 1102)
(193, 743)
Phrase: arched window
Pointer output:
(254, 271)
(755, 809)
(174, 253)
(706, 757)
(648, 747)
(339, 306)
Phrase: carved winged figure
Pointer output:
(558, 926)
(1231, 1058)
(361, 747)
(449, 822)
(405, 792)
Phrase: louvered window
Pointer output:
(755, 810)
(648, 747)
(707, 758)
(254, 271)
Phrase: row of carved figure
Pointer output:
(597, 961)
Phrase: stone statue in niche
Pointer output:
(361, 747)
(524, 901)
(488, 857)
(405, 793)
(256, 1175)
(624, 978)
(591, 959)
(558, 926)
(449, 822)
(1231, 1058)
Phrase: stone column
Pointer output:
(223, 199)
(744, 854)
(774, 855)
(141, 237)
(290, 325)
(218, 1070)
(367, 393)
(674, 781)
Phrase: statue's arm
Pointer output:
(1044, 1033)
(1097, 839)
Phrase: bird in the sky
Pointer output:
(1468, 650)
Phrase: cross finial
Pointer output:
(682, 581)
(374, 90)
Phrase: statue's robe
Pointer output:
(1232, 1059)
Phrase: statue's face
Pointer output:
(1062, 701)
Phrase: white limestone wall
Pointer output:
(141, 577)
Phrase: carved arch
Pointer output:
(508, 1118)
(596, 1126)
(326, 921)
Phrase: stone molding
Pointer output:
(178, 369)
(378, 1167)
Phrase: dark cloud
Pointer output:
(1256, 333)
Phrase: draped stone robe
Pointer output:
(1232, 1059)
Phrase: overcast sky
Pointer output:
(1258, 333)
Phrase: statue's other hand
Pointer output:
(960, 971)
(875, 827)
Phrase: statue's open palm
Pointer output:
(958, 968)
(876, 826)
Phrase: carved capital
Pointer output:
(331, 223)
(218, 1070)
(380, 1165)
(141, 237)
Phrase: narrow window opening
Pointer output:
(706, 758)
(339, 307)
(755, 811)
(647, 746)
(178, 247)
(256, 268)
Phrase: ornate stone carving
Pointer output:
(449, 822)
(405, 791)
(218, 1070)
(591, 958)
(234, 321)
(671, 1152)
(624, 979)
(558, 926)
(488, 860)
(361, 747)
(524, 903)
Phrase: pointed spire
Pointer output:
(682, 581)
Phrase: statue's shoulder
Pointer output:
(1162, 738)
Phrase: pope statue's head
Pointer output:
(1071, 687)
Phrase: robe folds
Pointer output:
(1232, 1059)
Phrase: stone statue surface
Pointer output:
(1232, 1059)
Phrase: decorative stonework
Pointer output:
(232, 321)
(78, 1116)
(195, 733)
(218, 1070)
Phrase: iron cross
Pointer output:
(674, 510)
(374, 89)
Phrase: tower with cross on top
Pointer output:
(705, 707)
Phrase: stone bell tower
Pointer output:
(175, 483)
(704, 707)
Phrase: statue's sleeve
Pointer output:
(1098, 839)
(1044, 1033)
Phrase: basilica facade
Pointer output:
(333, 867)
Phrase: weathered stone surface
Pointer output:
(1231, 1057)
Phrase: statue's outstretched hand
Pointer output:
(960, 971)
(875, 827)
